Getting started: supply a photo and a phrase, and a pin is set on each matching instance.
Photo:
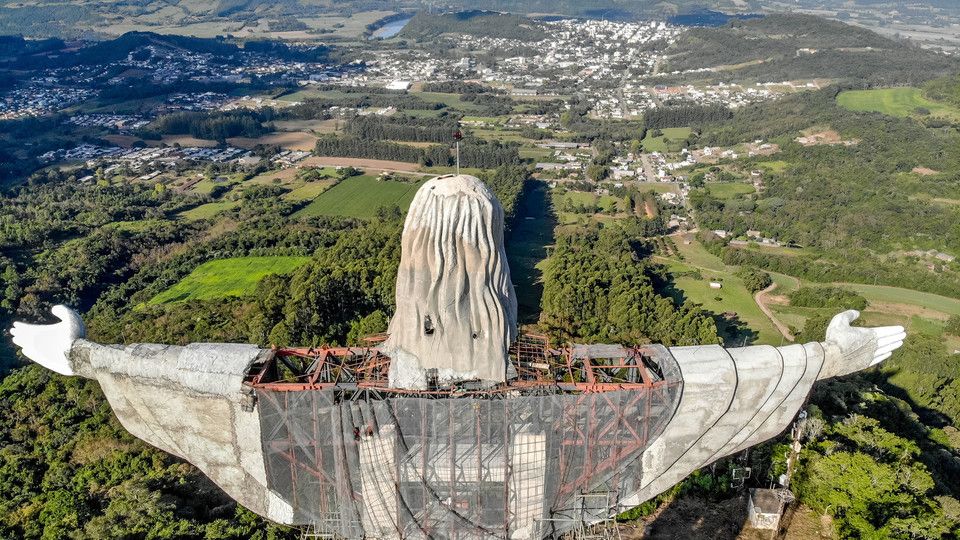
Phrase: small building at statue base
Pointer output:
(764, 509)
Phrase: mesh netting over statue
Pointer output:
(556, 446)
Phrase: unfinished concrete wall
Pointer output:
(456, 307)
(190, 401)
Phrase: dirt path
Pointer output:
(761, 299)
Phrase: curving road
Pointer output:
(760, 297)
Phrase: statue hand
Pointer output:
(861, 348)
(49, 344)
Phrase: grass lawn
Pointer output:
(308, 191)
(732, 297)
(360, 196)
(894, 101)
(669, 142)
(776, 167)
(221, 278)
(657, 187)
(729, 190)
(206, 211)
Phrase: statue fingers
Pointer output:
(888, 348)
(880, 358)
(883, 341)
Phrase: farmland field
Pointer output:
(668, 142)
(729, 190)
(221, 278)
(894, 101)
(360, 196)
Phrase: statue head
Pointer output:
(456, 308)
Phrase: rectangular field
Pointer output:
(670, 141)
(894, 101)
(359, 197)
(221, 278)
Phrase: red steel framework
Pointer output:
(537, 366)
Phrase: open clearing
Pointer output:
(670, 141)
(729, 190)
(221, 278)
(288, 140)
(894, 101)
(359, 197)
(360, 163)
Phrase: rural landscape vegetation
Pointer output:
(180, 173)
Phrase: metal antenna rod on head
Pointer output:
(457, 135)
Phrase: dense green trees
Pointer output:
(215, 126)
(827, 297)
(754, 280)
(597, 287)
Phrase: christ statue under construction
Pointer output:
(454, 427)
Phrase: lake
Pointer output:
(390, 29)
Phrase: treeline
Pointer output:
(475, 153)
(332, 145)
(320, 107)
(598, 288)
(460, 87)
(215, 126)
(685, 115)
(857, 268)
(403, 128)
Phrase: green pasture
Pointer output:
(729, 190)
(359, 197)
(669, 142)
(894, 102)
(221, 278)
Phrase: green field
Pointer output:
(733, 296)
(308, 191)
(669, 142)
(360, 196)
(729, 190)
(227, 277)
(894, 101)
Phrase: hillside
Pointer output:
(790, 47)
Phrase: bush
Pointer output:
(827, 297)
(755, 280)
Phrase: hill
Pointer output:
(477, 23)
(784, 47)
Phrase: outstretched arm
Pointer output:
(736, 398)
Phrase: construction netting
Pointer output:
(517, 465)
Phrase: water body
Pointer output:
(707, 17)
(390, 29)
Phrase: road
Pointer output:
(761, 297)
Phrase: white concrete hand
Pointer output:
(49, 344)
(863, 347)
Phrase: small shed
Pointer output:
(716, 285)
(764, 509)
